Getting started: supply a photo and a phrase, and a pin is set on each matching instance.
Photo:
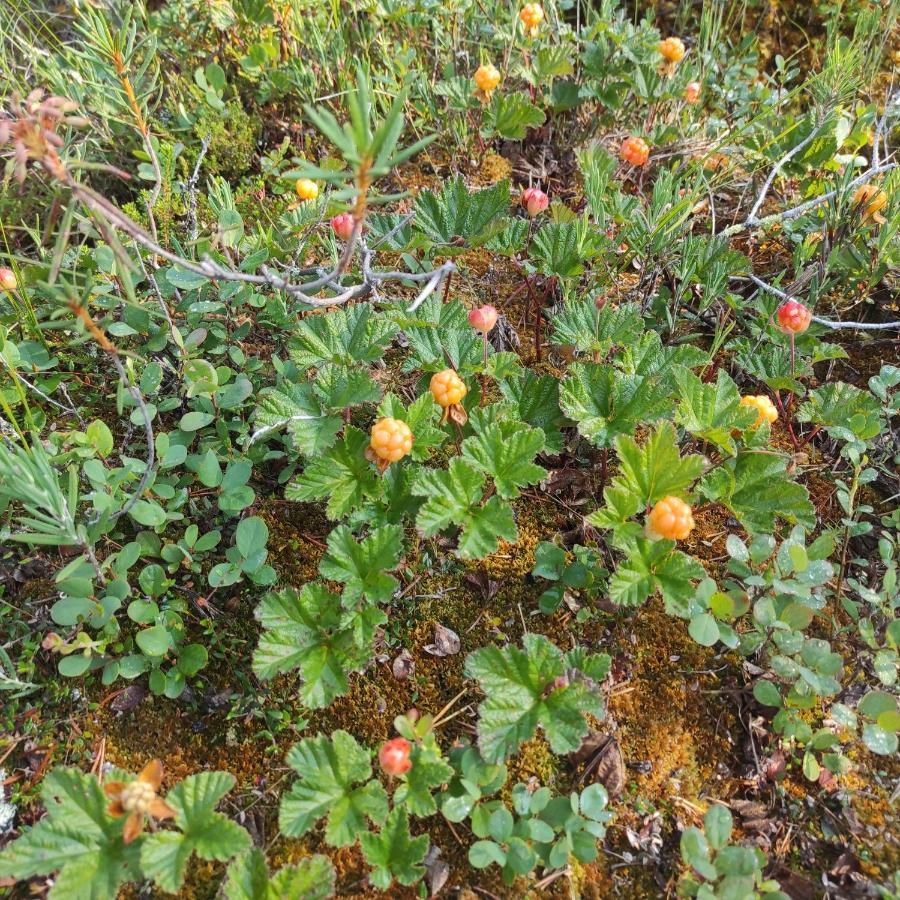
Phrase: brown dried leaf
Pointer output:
(601, 758)
(404, 665)
(446, 642)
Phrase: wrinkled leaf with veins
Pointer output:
(604, 403)
(506, 453)
(340, 388)
(454, 497)
(439, 333)
(429, 771)
(652, 566)
(530, 688)
(393, 852)
(362, 566)
(297, 408)
(510, 115)
(536, 400)
(579, 324)
(758, 490)
(455, 213)
(248, 879)
(346, 336)
(712, 411)
(308, 630)
(648, 356)
(655, 469)
(334, 782)
(844, 411)
(343, 475)
(202, 830)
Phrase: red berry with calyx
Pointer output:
(535, 201)
(793, 317)
(342, 226)
(484, 318)
(394, 756)
(635, 150)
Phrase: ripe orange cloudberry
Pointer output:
(635, 150)
(671, 519)
(306, 189)
(672, 49)
(390, 441)
(447, 388)
(487, 77)
(765, 409)
(531, 16)
(692, 92)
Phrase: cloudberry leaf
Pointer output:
(331, 770)
(530, 688)
(652, 566)
(604, 403)
(346, 336)
(846, 412)
(507, 455)
(453, 497)
(712, 411)
(202, 830)
(393, 852)
(248, 879)
(429, 771)
(78, 838)
(758, 490)
(536, 401)
(343, 475)
(297, 408)
(361, 566)
(510, 115)
(579, 324)
(455, 213)
(437, 333)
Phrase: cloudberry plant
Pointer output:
(793, 317)
(535, 201)
(306, 189)
(671, 519)
(635, 150)
(765, 408)
(393, 757)
(138, 799)
(391, 440)
(692, 92)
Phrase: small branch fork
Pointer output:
(304, 292)
(877, 167)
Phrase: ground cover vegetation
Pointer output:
(449, 449)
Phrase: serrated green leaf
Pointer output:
(507, 455)
(526, 689)
(393, 852)
(331, 770)
(248, 879)
(711, 411)
(347, 336)
(361, 566)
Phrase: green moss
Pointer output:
(232, 134)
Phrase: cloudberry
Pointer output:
(531, 15)
(447, 388)
(672, 49)
(342, 226)
(692, 92)
(484, 318)
(635, 150)
(394, 756)
(487, 77)
(306, 189)
(391, 439)
(671, 519)
(534, 200)
(869, 200)
(765, 409)
(8, 280)
(793, 317)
